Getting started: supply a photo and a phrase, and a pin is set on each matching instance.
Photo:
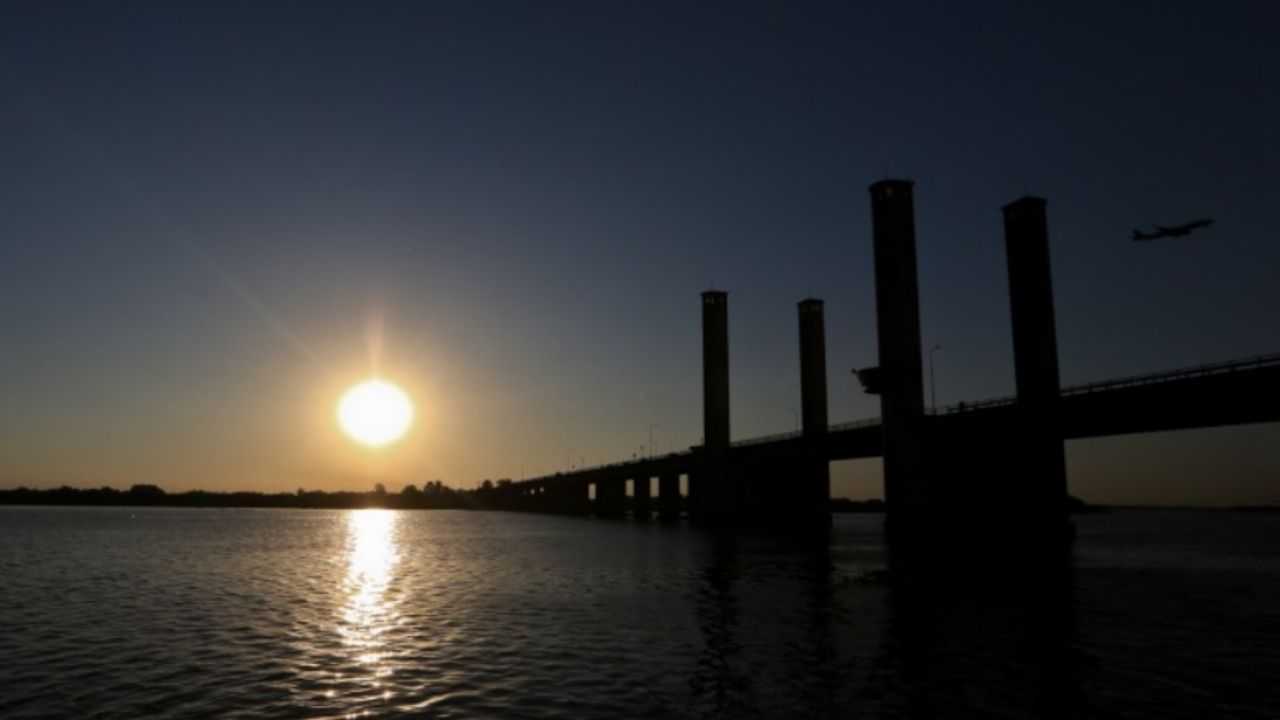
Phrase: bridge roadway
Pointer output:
(1231, 393)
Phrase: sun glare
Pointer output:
(375, 413)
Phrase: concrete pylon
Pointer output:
(641, 501)
(813, 368)
(669, 496)
(909, 490)
(715, 369)
(611, 497)
(715, 498)
(1041, 462)
(815, 471)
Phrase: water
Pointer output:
(128, 613)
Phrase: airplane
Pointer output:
(1175, 231)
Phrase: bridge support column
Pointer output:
(669, 496)
(1039, 473)
(910, 490)
(611, 497)
(814, 491)
(568, 497)
(641, 502)
(717, 494)
(697, 497)
(708, 502)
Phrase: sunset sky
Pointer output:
(215, 217)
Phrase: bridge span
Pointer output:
(1000, 460)
(1237, 392)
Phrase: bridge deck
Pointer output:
(1232, 393)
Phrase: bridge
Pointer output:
(999, 459)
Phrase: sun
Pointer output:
(375, 412)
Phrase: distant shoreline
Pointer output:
(432, 496)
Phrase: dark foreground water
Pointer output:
(134, 613)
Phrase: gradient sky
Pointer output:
(215, 216)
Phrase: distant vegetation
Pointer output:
(433, 494)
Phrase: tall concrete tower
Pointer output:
(813, 368)
(715, 370)
(1035, 337)
(898, 334)
(1035, 351)
(712, 495)
(814, 492)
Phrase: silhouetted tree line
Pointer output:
(432, 495)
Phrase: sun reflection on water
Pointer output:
(369, 613)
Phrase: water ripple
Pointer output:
(283, 614)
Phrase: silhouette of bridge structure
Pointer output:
(998, 462)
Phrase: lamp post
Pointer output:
(933, 385)
(568, 459)
(651, 427)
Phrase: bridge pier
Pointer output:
(611, 497)
(719, 490)
(641, 502)
(814, 491)
(909, 488)
(1040, 462)
(717, 496)
(669, 496)
(567, 498)
(701, 507)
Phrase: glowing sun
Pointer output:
(375, 412)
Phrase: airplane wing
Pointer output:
(1173, 231)
(1185, 228)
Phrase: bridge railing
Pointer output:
(835, 427)
(854, 424)
(765, 439)
(606, 466)
(1001, 401)
(1218, 368)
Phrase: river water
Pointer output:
(130, 613)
